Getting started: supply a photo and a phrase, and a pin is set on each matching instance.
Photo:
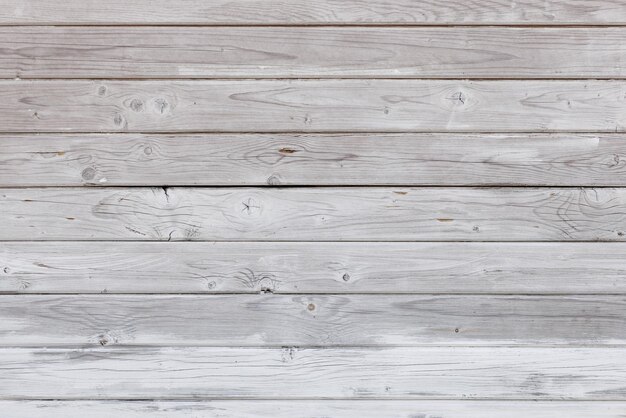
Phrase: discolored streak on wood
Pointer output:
(312, 159)
(314, 214)
(313, 106)
(257, 52)
(273, 267)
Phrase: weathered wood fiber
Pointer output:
(309, 320)
(314, 214)
(312, 106)
(306, 12)
(254, 52)
(314, 409)
(312, 159)
(406, 372)
(326, 267)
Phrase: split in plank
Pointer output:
(271, 12)
(404, 372)
(309, 320)
(300, 268)
(312, 106)
(312, 159)
(314, 408)
(311, 52)
(314, 214)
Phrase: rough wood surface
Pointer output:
(312, 106)
(255, 52)
(406, 372)
(326, 267)
(314, 409)
(312, 159)
(265, 12)
(314, 214)
(309, 320)
(334, 166)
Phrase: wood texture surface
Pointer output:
(320, 268)
(314, 409)
(312, 159)
(289, 372)
(255, 52)
(294, 208)
(312, 106)
(309, 320)
(237, 12)
(314, 214)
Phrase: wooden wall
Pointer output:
(330, 208)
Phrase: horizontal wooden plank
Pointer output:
(231, 267)
(309, 320)
(312, 106)
(312, 159)
(276, 52)
(314, 214)
(305, 12)
(314, 408)
(425, 372)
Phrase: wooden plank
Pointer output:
(314, 408)
(238, 12)
(278, 52)
(309, 320)
(410, 373)
(314, 214)
(225, 267)
(312, 159)
(312, 105)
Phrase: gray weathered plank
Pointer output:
(232, 52)
(314, 214)
(405, 372)
(309, 159)
(225, 267)
(306, 12)
(312, 105)
(309, 320)
(314, 409)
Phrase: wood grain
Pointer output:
(309, 320)
(312, 159)
(312, 106)
(236, 12)
(281, 268)
(278, 52)
(409, 373)
(314, 409)
(314, 214)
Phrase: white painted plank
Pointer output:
(415, 373)
(232, 267)
(312, 159)
(312, 106)
(314, 409)
(307, 12)
(276, 52)
(309, 320)
(314, 214)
